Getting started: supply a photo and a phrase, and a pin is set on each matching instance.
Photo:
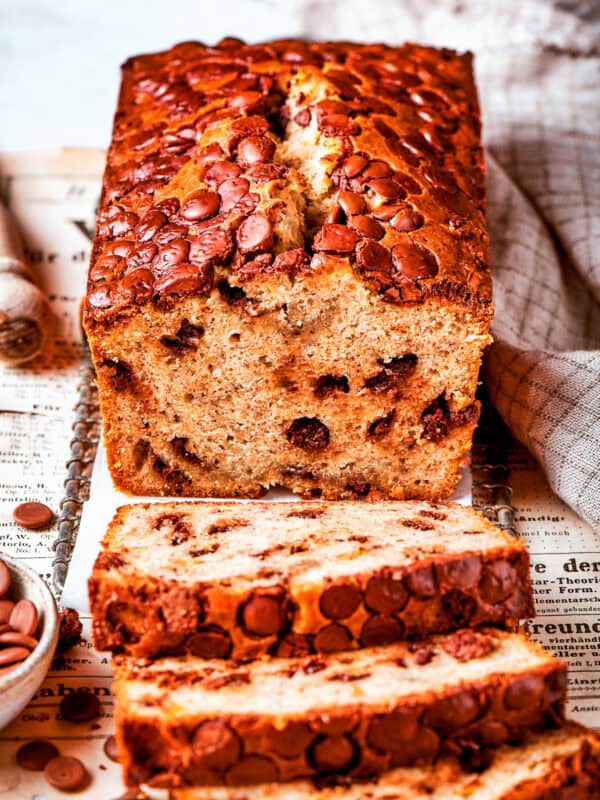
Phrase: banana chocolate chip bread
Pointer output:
(557, 765)
(289, 282)
(185, 721)
(240, 580)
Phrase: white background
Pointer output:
(59, 59)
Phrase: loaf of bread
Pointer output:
(239, 580)
(193, 721)
(562, 764)
(289, 282)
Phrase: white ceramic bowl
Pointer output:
(18, 687)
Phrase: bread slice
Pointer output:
(240, 580)
(193, 721)
(562, 764)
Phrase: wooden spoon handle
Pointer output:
(25, 317)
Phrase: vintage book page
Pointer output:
(53, 199)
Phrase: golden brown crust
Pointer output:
(161, 742)
(278, 600)
(198, 177)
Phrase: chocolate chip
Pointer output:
(462, 573)
(213, 246)
(111, 751)
(335, 239)
(210, 641)
(264, 613)
(149, 225)
(5, 580)
(387, 188)
(374, 258)
(453, 712)
(70, 628)
(220, 171)
(14, 638)
(440, 179)
(33, 516)
(34, 756)
(460, 607)
(24, 617)
(200, 205)
(422, 583)
(524, 693)
(255, 149)
(66, 773)
(6, 606)
(292, 645)
(385, 594)
(13, 655)
(303, 117)
(255, 234)
(79, 706)
(339, 601)
(381, 426)
(407, 221)
(232, 191)
(377, 169)
(326, 385)
(252, 769)
(465, 645)
(290, 741)
(354, 165)
(414, 261)
(390, 732)
(215, 745)
(333, 638)
(183, 279)
(422, 748)
(381, 629)
(308, 433)
(498, 581)
(351, 203)
(366, 226)
(332, 753)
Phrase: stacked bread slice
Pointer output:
(259, 643)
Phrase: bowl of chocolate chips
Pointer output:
(28, 635)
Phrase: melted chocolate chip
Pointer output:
(309, 434)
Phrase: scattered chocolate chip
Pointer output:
(32, 516)
(6, 606)
(34, 755)
(335, 239)
(292, 740)
(111, 751)
(80, 706)
(459, 606)
(66, 773)
(255, 234)
(200, 205)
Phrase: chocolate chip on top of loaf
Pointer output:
(194, 721)
(233, 580)
(289, 282)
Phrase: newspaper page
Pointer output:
(53, 200)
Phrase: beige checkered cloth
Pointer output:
(538, 66)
